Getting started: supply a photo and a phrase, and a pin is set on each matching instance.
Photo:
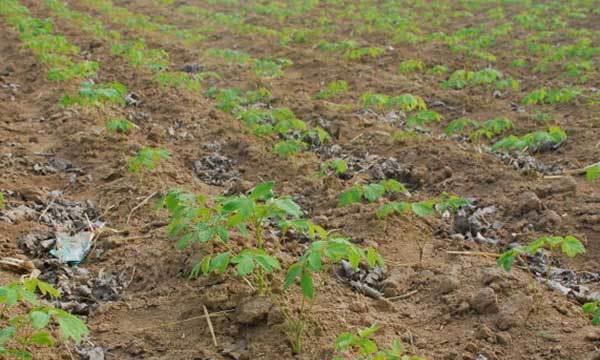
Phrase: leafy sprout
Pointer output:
(148, 158)
(370, 192)
(366, 347)
(22, 334)
(568, 245)
(120, 125)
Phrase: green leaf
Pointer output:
(244, 206)
(244, 264)
(288, 206)
(368, 332)
(372, 192)
(219, 263)
(571, 246)
(46, 288)
(262, 191)
(507, 258)
(393, 186)
(39, 319)
(267, 262)
(367, 346)
(423, 208)
(592, 173)
(374, 258)
(6, 334)
(41, 338)
(344, 341)
(314, 261)
(306, 284)
(350, 196)
(293, 272)
(590, 307)
(71, 327)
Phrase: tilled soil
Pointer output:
(61, 171)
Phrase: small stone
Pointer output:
(275, 316)
(358, 307)
(593, 335)
(548, 220)
(397, 282)
(254, 310)
(485, 333)
(528, 201)
(514, 312)
(485, 301)
(446, 284)
(503, 338)
(384, 305)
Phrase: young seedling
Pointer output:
(120, 126)
(423, 118)
(411, 66)
(370, 192)
(91, 94)
(443, 204)
(333, 89)
(592, 172)
(362, 346)
(194, 221)
(568, 245)
(534, 142)
(147, 160)
(551, 96)
(338, 166)
(332, 250)
(593, 308)
(23, 334)
(1, 201)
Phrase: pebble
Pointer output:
(485, 301)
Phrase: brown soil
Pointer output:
(160, 313)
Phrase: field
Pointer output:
(302, 179)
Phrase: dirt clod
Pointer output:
(514, 311)
(253, 310)
(485, 301)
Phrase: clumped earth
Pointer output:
(64, 174)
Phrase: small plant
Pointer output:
(422, 118)
(313, 261)
(287, 148)
(120, 126)
(411, 66)
(193, 221)
(365, 52)
(404, 102)
(338, 166)
(148, 159)
(568, 245)
(333, 89)
(2, 202)
(370, 192)
(593, 308)
(91, 94)
(437, 70)
(22, 334)
(491, 128)
(271, 68)
(361, 346)
(551, 96)
(461, 79)
(534, 142)
(592, 172)
(460, 125)
(178, 80)
(445, 203)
